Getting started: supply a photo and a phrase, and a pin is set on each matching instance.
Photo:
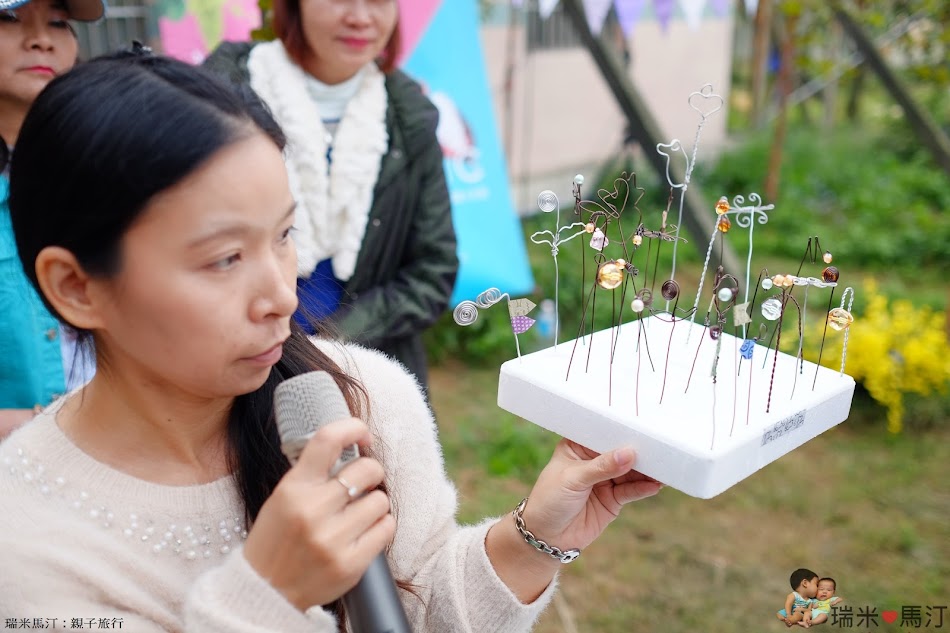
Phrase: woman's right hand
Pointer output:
(312, 542)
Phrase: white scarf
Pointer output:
(333, 204)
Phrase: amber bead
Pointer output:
(609, 275)
(827, 257)
(724, 224)
(589, 227)
(722, 206)
(829, 275)
(840, 319)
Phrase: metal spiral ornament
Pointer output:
(465, 313)
(670, 290)
(547, 201)
(490, 297)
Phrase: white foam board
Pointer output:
(701, 440)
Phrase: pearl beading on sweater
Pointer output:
(185, 541)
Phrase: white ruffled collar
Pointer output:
(333, 201)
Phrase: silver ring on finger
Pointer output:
(351, 491)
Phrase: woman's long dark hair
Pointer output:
(115, 132)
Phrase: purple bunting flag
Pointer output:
(628, 14)
(521, 324)
(721, 7)
(664, 12)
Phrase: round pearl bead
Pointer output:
(725, 294)
(579, 179)
(637, 305)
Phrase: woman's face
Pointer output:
(345, 35)
(207, 281)
(36, 44)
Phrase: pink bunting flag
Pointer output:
(628, 14)
(664, 13)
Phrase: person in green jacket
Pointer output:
(374, 234)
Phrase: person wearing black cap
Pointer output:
(37, 357)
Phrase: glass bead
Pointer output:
(637, 305)
(724, 224)
(829, 275)
(772, 309)
(609, 275)
(722, 206)
(725, 295)
(589, 227)
(827, 257)
(598, 240)
(637, 240)
(748, 346)
(778, 280)
(840, 319)
(766, 284)
(714, 332)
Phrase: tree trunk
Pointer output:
(760, 60)
(784, 81)
(852, 110)
(925, 128)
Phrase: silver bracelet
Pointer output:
(565, 556)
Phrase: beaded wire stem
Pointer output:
(698, 101)
(600, 218)
(747, 216)
(848, 295)
(786, 297)
(548, 202)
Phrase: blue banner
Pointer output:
(448, 62)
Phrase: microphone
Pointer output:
(303, 404)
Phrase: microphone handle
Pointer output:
(373, 605)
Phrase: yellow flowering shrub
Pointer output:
(894, 349)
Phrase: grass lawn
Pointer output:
(867, 508)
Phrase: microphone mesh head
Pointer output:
(304, 403)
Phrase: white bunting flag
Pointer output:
(596, 11)
(693, 12)
(546, 8)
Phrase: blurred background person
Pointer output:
(38, 358)
(377, 248)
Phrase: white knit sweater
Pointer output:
(80, 540)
